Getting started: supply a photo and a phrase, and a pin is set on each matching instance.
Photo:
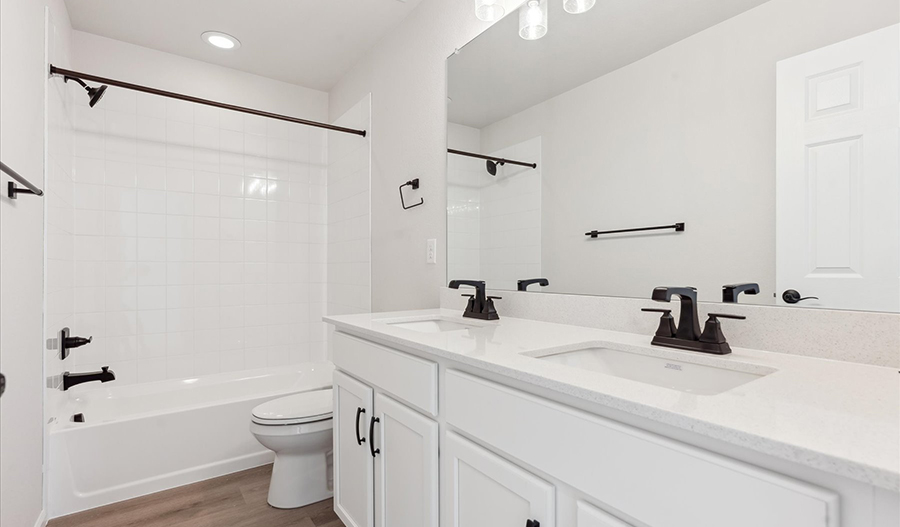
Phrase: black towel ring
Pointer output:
(415, 185)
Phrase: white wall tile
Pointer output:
(190, 237)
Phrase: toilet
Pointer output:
(298, 429)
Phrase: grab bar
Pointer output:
(679, 227)
(13, 190)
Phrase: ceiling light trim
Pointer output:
(220, 40)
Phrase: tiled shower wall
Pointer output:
(199, 240)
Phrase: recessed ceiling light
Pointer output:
(220, 40)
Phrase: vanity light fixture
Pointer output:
(533, 19)
(489, 10)
(220, 40)
(576, 7)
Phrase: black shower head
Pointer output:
(492, 166)
(95, 94)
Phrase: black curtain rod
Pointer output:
(172, 95)
(491, 158)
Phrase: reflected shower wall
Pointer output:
(493, 222)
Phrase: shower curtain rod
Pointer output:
(491, 158)
(172, 95)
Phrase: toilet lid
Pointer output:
(299, 408)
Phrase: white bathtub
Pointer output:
(149, 437)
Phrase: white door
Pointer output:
(406, 466)
(590, 516)
(353, 467)
(838, 198)
(484, 490)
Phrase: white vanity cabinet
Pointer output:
(385, 450)
(510, 458)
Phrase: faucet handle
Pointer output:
(712, 331)
(666, 322)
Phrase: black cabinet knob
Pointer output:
(532, 523)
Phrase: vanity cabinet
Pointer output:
(511, 458)
(484, 490)
(385, 450)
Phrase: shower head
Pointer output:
(492, 166)
(94, 94)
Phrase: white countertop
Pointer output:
(838, 417)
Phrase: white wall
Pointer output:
(406, 75)
(199, 232)
(23, 77)
(684, 135)
(349, 226)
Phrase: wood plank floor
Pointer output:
(235, 500)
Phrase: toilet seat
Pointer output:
(300, 408)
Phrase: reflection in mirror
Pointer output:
(769, 129)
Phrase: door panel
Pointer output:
(406, 466)
(837, 190)
(484, 490)
(353, 465)
(590, 516)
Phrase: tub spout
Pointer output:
(73, 379)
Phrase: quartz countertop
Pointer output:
(839, 417)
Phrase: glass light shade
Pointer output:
(533, 19)
(489, 10)
(578, 6)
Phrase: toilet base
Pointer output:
(300, 479)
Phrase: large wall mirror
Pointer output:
(758, 139)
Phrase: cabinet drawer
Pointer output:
(652, 479)
(408, 378)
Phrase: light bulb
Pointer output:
(577, 7)
(533, 19)
(489, 10)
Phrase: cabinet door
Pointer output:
(406, 466)
(484, 490)
(590, 516)
(353, 467)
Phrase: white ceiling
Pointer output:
(498, 74)
(311, 43)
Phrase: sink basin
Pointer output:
(435, 325)
(678, 375)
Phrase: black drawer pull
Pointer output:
(359, 440)
(532, 523)
(372, 448)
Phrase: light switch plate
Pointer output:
(431, 252)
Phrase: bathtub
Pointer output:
(144, 438)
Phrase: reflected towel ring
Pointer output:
(415, 185)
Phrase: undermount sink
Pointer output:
(434, 325)
(677, 375)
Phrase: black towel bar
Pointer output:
(679, 227)
(13, 190)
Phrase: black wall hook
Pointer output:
(415, 185)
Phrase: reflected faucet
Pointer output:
(74, 379)
(730, 292)
(523, 284)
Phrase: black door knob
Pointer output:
(792, 296)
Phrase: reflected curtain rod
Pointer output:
(491, 158)
(172, 95)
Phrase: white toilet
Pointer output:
(298, 429)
